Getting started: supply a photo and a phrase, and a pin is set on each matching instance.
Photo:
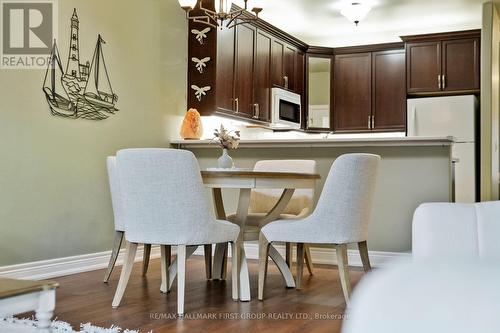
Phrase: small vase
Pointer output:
(225, 161)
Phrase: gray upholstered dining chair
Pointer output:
(114, 187)
(341, 217)
(300, 205)
(164, 203)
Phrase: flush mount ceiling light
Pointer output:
(355, 11)
(222, 16)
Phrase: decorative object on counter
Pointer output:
(200, 63)
(192, 128)
(225, 161)
(200, 35)
(356, 11)
(200, 92)
(226, 140)
(223, 15)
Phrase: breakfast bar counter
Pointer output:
(412, 171)
(326, 142)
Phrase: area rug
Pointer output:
(14, 325)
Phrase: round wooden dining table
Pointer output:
(245, 181)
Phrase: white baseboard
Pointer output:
(327, 256)
(53, 268)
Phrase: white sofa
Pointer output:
(458, 230)
(452, 285)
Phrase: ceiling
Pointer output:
(318, 22)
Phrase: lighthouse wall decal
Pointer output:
(79, 90)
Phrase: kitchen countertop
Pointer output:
(329, 142)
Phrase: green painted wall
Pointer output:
(54, 197)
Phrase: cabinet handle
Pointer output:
(237, 104)
(373, 121)
(443, 81)
(256, 111)
(369, 122)
(439, 82)
(285, 78)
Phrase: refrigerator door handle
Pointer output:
(412, 121)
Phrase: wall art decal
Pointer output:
(200, 35)
(200, 92)
(81, 90)
(200, 63)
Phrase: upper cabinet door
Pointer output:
(225, 69)
(389, 92)
(244, 70)
(278, 51)
(289, 68)
(460, 64)
(300, 72)
(352, 92)
(262, 78)
(423, 66)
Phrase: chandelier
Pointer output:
(222, 16)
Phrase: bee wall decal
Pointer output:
(200, 92)
(200, 63)
(200, 35)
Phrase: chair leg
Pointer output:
(208, 260)
(263, 260)
(288, 254)
(181, 278)
(145, 259)
(125, 275)
(343, 267)
(235, 259)
(365, 259)
(300, 265)
(224, 263)
(117, 243)
(165, 260)
(309, 262)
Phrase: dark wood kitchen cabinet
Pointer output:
(443, 64)
(262, 76)
(388, 91)
(289, 67)
(424, 66)
(251, 60)
(277, 55)
(300, 79)
(284, 65)
(224, 81)
(460, 64)
(352, 95)
(244, 70)
(369, 89)
(235, 71)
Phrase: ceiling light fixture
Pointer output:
(355, 11)
(221, 16)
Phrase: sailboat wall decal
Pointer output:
(82, 90)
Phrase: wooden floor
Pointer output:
(318, 307)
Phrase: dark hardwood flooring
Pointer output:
(85, 298)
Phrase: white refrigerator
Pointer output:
(450, 116)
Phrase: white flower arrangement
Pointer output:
(226, 139)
